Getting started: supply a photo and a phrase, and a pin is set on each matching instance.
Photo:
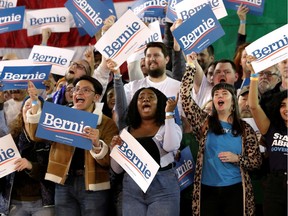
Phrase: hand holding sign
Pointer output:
(33, 93)
(22, 163)
(108, 23)
(242, 11)
(92, 134)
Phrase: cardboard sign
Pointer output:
(154, 37)
(65, 125)
(198, 31)
(8, 4)
(9, 153)
(90, 14)
(171, 14)
(60, 58)
(142, 170)
(18, 62)
(150, 11)
(256, 7)
(57, 19)
(185, 168)
(269, 49)
(123, 38)
(11, 19)
(18, 77)
(188, 8)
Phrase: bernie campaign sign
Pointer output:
(199, 31)
(269, 49)
(65, 125)
(90, 14)
(256, 7)
(185, 168)
(11, 19)
(18, 77)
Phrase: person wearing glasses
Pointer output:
(268, 78)
(81, 176)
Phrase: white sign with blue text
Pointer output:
(57, 19)
(171, 15)
(65, 125)
(154, 37)
(269, 49)
(59, 58)
(9, 153)
(198, 31)
(256, 7)
(11, 19)
(123, 38)
(188, 8)
(17, 77)
(8, 4)
(135, 160)
(90, 14)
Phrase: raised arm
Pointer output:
(195, 115)
(198, 76)
(242, 12)
(261, 120)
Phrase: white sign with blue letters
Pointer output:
(269, 49)
(256, 7)
(9, 153)
(135, 160)
(123, 38)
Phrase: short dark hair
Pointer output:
(96, 84)
(133, 118)
(210, 50)
(227, 61)
(159, 45)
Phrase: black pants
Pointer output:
(222, 201)
(275, 195)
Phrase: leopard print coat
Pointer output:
(249, 159)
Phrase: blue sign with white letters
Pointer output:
(198, 31)
(90, 14)
(255, 7)
(11, 19)
(171, 11)
(17, 77)
(185, 168)
(65, 125)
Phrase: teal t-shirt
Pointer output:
(215, 172)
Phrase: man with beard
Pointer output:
(268, 79)
(156, 58)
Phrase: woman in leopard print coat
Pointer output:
(222, 185)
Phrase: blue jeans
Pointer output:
(72, 199)
(34, 208)
(161, 198)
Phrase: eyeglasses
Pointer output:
(78, 66)
(267, 74)
(83, 90)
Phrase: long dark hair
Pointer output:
(273, 110)
(214, 123)
(133, 118)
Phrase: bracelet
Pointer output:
(117, 76)
(44, 44)
(254, 75)
(242, 21)
(34, 102)
(190, 64)
(254, 78)
(169, 114)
